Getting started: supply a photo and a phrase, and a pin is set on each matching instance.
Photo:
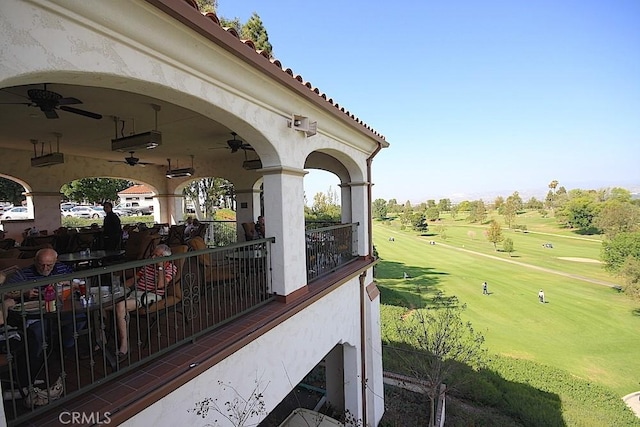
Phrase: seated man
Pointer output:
(45, 265)
(150, 283)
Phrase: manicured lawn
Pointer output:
(589, 330)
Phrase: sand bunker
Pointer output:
(568, 258)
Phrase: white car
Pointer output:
(67, 205)
(86, 212)
(18, 212)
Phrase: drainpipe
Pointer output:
(370, 227)
(362, 277)
(363, 353)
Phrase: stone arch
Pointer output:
(17, 180)
(343, 167)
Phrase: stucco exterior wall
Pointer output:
(276, 361)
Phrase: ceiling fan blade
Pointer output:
(69, 101)
(81, 112)
(51, 114)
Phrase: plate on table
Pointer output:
(29, 306)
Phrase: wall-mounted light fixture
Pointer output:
(302, 124)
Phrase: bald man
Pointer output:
(45, 264)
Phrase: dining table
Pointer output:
(92, 305)
(89, 257)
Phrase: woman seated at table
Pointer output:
(150, 284)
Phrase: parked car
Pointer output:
(18, 212)
(137, 209)
(86, 212)
(122, 211)
(67, 205)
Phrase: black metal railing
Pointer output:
(53, 355)
(329, 248)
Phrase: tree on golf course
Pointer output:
(509, 211)
(442, 343)
(478, 212)
(379, 209)
(494, 233)
(617, 216)
(507, 245)
(621, 255)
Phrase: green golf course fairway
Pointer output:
(588, 329)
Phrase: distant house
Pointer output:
(136, 197)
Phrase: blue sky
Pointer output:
(475, 98)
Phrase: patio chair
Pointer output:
(7, 243)
(201, 231)
(29, 252)
(140, 245)
(250, 232)
(176, 235)
(40, 240)
(79, 241)
(213, 272)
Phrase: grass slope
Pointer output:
(587, 329)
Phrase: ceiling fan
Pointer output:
(131, 161)
(236, 144)
(49, 102)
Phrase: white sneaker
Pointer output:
(39, 397)
(36, 397)
(56, 389)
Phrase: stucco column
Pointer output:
(334, 374)
(167, 208)
(352, 372)
(345, 203)
(46, 209)
(247, 208)
(360, 214)
(373, 350)
(284, 220)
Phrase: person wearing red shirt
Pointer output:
(150, 284)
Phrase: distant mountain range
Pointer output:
(526, 194)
